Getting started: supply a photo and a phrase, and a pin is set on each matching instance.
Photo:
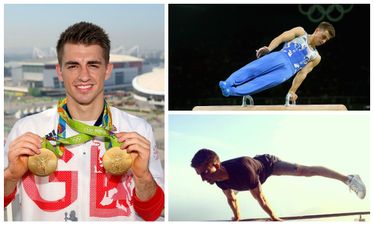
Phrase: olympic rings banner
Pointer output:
(318, 13)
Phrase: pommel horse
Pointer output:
(288, 106)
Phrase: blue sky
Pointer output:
(38, 25)
(339, 142)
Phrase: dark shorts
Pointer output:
(275, 166)
(268, 162)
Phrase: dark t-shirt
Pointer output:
(245, 172)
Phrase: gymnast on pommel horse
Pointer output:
(298, 56)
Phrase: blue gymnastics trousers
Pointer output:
(260, 74)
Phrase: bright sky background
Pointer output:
(338, 142)
(39, 25)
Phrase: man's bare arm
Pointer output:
(284, 37)
(301, 75)
(260, 197)
(233, 203)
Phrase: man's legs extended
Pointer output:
(271, 79)
(284, 168)
(354, 182)
(263, 73)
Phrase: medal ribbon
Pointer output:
(86, 132)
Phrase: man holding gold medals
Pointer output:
(98, 163)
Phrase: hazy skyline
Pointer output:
(339, 142)
(39, 25)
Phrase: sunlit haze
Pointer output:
(339, 142)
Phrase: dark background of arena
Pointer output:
(209, 42)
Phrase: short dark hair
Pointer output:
(84, 33)
(327, 26)
(203, 157)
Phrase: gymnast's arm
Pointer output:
(233, 203)
(301, 75)
(260, 197)
(284, 37)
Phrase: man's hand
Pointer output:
(293, 96)
(262, 51)
(139, 149)
(20, 149)
(235, 218)
(276, 219)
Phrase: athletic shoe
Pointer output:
(355, 184)
(225, 90)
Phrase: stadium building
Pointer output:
(149, 87)
(41, 74)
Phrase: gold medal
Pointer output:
(116, 161)
(43, 164)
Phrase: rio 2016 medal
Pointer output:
(116, 161)
(43, 164)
